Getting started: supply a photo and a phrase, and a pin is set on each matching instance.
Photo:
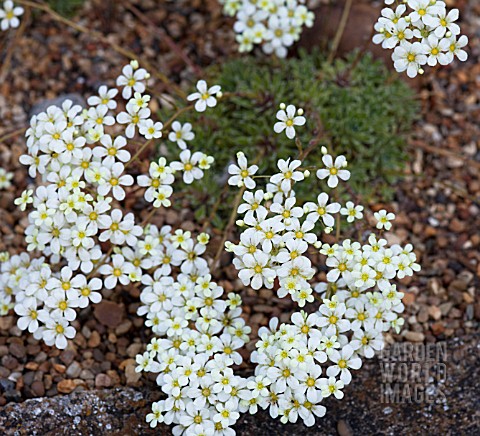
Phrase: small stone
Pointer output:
(344, 429)
(67, 356)
(3, 350)
(94, 340)
(422, 315)
(109, 313)
(38, 389)
(445, 308)
(134, 349)
(408, 298)
(414, 336)
(103, 381)
(435, 312)
(123, 328)
(131, 375)
(6, 385)
(17, 350)
(86, 374)
(6, 322)
(9, 362)
(59, 368)
(66, 386)
(74, 370)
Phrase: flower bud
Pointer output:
(448, 34)
(318, 245)
(300, 111)
(306, 173)
(134, 64)
(282, 106)
(324, 150)
(147, 76)
(240, 184)
(270, 280)
(329, 230)
(288, 222)
(421, 71)
(240, 223)
(219, 94)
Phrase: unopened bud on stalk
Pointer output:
(134, 64)
(282, 106)
(318, 245)
(300, 111)
(219, 94)
(306, 173)
(324, 150)
(240, 223)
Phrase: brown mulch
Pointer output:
(437, 204)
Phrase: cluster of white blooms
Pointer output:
(9, 14)
(5, 178)
(81, 157)
(425, 34)
(275, 24)
(199, 330)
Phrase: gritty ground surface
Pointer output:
(447, 402)
(437, 204)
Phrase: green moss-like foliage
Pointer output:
(366, 113)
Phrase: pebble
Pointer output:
(435, 312)
(9, 362)
(38, 388)
(94, 340)
(6, 322)
(67, 356)
(344, 428)
(134, 349)
(74, 370)
(103, 381)
(131, 376)
(414, 336)
(123, 328)
(109, 313)
(17, 350)
(66, 386)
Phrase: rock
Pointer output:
(131, 375)
(13, 395)
(102, 381)
(109, 313)
(435, 312)
(9, 362)
(6, 322)
(38, 389)
(66, 386)
(414, 336)
(74, 370)
(123, 328)
(344, 429)
(408, 298)
(17, 350)
(67, 356)
(134, 349)
(44, 104)
(122, 410)
(445, 308)
(94, 340)
(6, 385)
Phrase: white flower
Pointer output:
(150, 130)
(322, 210)
(117, 272)
(334, 171)
(242, 173)
(409, 57)
(115, 180)
(105, 98)
(5, 178)
(156, 416)
(443, 22)
(57, 331)
(352, 212)
(453, 47)
(131, 80)
(256, 271)
(181, 133)
(9, 15)
(383, 219)
(288, 119)
(112, 151)
(332, 386)
(188, 164)
(205, 96)
(288, 175)
(132, 118)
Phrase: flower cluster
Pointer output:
(298, 364)
(5, 178)
(275, 24)
(9, 14)
(425, 34)
(81, 157)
